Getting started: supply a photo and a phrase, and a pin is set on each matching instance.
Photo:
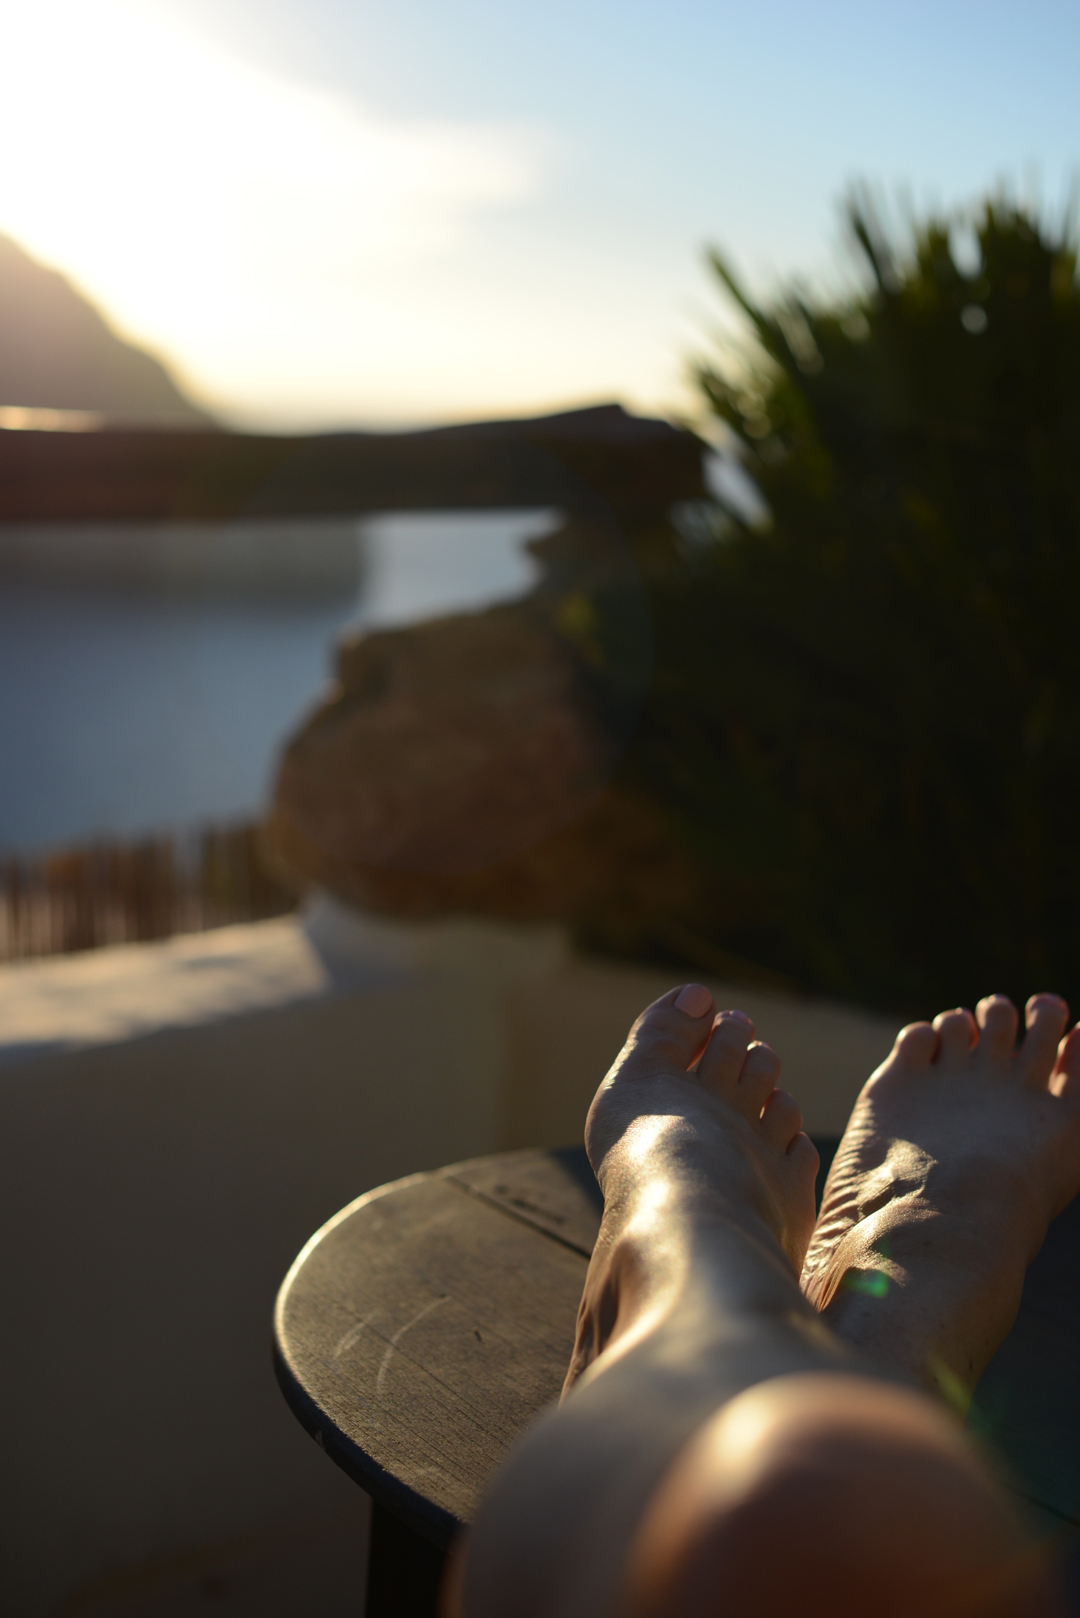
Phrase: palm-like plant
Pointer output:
(866, 714)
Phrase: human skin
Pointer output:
(723, 1447)
(960, 1150)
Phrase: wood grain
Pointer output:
(556, 1192)
(420, 1335)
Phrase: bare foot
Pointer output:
(720, 1447)
(707, 1178)
(959, 1152)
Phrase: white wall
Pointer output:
(176, 1120)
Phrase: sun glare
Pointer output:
(252, 229)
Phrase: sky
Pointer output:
(329, 213)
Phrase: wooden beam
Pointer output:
(575, 460)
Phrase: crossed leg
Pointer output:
(726, 1448)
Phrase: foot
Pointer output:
(960, 1151)
(708, 1181)
(710, 1452)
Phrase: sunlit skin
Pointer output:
(722, 1448)
(959, 1152)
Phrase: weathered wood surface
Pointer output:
(150, 476)
(556, 1192)
(424, 1329)
(426, 1326)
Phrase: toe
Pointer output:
(722, 1061)
(757, 1080)
(917, 1044)
(1045, 1016)
(781, 1119)
(956, 1033)
(670, 1033)
(996, 1017)
(1065, 1078)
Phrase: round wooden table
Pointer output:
(423, 1328)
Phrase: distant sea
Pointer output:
(123, 712)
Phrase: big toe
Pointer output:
(671, 1033)
(916, 1044)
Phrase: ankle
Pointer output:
(694, 1271)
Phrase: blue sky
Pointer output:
(559, 169)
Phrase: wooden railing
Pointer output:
(118, 893)
(569, 460)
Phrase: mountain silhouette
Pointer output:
(58, 353)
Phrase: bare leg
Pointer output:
(719, 1447)
(825, 1496)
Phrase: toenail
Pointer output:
(695, 1000)
(1038, 1000)
(741, 1015)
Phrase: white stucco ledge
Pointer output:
(109, 996)
(548, 1020)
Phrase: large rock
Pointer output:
(462, 765)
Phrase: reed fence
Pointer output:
(112, 892)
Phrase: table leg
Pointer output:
(404, 1570)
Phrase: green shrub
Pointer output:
(865, 715)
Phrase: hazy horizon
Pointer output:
(336, 214)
